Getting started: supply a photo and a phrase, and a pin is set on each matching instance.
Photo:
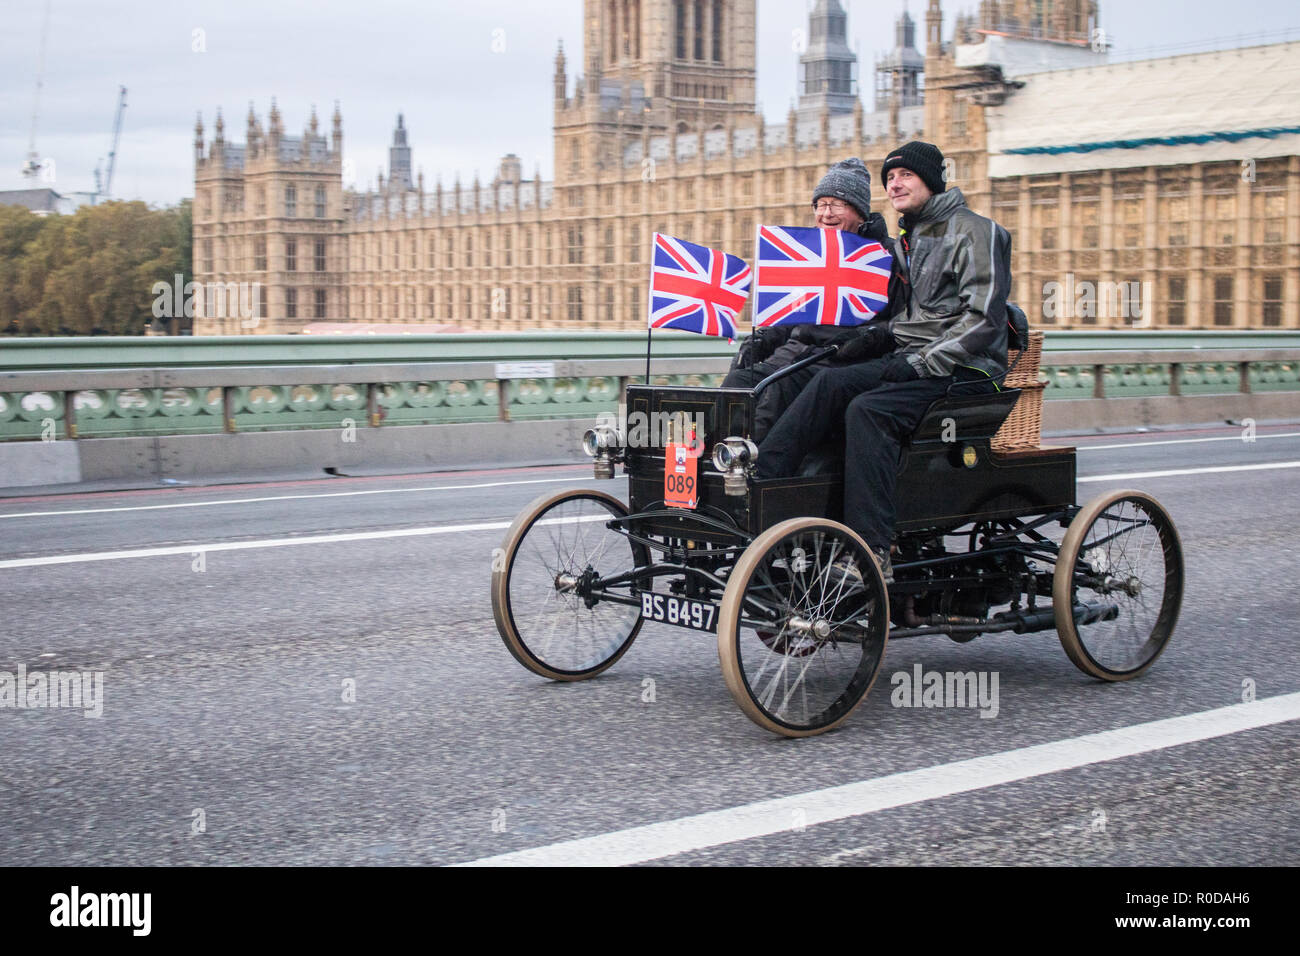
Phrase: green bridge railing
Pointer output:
(112, 387)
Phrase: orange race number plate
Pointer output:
(681, 476)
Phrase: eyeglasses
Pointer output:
(830, 205)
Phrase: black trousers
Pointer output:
(878, 417)
(776, 398)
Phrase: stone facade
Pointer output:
(270, 213)
(661, 134)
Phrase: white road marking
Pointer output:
(490, 526)
(1173, 472)
(247, 545)
(538, 481)
(331, 494)
(1183, 441)
(276, 542)
(766, 817)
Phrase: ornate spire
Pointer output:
(828, 63)
(934, 29)
(561, 78)
(251, 131)
(399, 157)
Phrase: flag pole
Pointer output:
(650, 295)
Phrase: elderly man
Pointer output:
(956, 268)
(842, 200)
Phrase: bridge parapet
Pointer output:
(286, 383)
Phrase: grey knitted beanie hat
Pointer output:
(849, 180)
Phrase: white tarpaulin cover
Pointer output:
(1201, 107)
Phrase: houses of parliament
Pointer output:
(1177, 176)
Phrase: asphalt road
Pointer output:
(227, 656)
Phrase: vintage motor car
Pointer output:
(990, 538)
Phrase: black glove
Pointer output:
(752, 351)
(874, 228)
(764, 342)
(873, 341)
(811, 350)
(898, 369)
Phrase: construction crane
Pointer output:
(107, 191)
(32, 167)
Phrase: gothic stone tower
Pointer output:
(828, 66)
(269, 211)
(1060, 21)
(652, 67)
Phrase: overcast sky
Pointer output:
(465, 104)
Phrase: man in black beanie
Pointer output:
(842, 200)
(923, 159)
(952, 329)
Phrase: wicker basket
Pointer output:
(1026, 370)
(1023, 427)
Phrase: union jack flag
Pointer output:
(812, 276)
(696, 288)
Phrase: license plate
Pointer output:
(700, 615)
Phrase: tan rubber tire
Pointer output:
(729, 621)
(1063, 591)
(504, 564)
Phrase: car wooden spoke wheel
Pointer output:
(1118, 585)
(556, 584)
(802, 626)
